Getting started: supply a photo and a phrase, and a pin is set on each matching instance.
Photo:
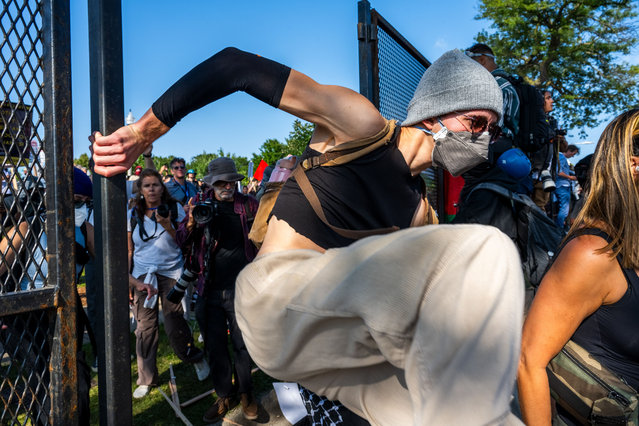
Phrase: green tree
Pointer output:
(82, 160)
(298, 137)
(270, 151)
(200, 163)
(572, 47)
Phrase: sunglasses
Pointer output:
(179, 167)
(479, 124)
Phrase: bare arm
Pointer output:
(12, 245)
(579, 282)
(339, 113)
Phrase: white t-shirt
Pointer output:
(160, 251)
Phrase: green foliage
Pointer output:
(200, 163)
(83, 160)
(298, 137)
(570, 47)
(270, 151)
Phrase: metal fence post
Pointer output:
(366, 52)
(107, 115)
(60, 232)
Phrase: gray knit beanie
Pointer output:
(454, 82)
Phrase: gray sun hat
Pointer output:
(222, 168)
(454, 82)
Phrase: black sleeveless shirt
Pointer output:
(370, 192)
(611, 333)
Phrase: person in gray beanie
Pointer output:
(413, 325)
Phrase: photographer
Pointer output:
(215, 236)
(157, 264)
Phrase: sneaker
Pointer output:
(249, 406)
(141, 391)
(202, 369)
(219, 409)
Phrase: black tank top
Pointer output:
(370, 192)
(611, 333)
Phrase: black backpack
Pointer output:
(534, 129)
(538, 237)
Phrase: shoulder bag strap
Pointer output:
(311, 196)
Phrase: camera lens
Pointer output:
(202, 213)
(163, 210)
(177, 292)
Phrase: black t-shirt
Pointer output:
(371, 192)
(229, 257)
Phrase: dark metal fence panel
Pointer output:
(37, 273)
(390, 69)
(107, 115)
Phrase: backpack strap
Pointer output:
(351, 150)
(338, 155)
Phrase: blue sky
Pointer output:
(164, 39)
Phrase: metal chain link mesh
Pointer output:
(21, 130)
(399, 75)
(25, 338)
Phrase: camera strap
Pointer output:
(144, 236)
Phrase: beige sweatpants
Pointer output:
(421, 326)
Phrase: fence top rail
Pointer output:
(379, 20)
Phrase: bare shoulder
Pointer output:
(337, 111)
(582, 271)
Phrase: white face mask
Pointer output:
(81, 215)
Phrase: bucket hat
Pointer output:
(222, 168)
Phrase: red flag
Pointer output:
(259, 172)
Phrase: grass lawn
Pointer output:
(153, 409)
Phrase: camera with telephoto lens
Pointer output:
(177, 292)
(204, 212)
(546, 181)
(163, 210)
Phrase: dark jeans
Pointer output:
(215, 313)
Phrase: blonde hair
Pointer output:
(613, 195)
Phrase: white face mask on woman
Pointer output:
(81, 214)
(459, 152)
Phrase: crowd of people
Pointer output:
(335, 275)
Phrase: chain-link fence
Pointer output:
(390, 69)
(36, 276)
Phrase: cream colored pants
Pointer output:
(421, 326)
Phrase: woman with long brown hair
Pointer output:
(157, 264)
(591, 293)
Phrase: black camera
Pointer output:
(204, 212)
(561, 132)
(177, 292)
(163, 210)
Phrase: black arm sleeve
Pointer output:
(224, 73)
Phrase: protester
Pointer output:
(564, 181)
(419, 326)
(221, 248)
(178, 186)
(593, 285)
(509, 123)
(156, 263)
(190, 176)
